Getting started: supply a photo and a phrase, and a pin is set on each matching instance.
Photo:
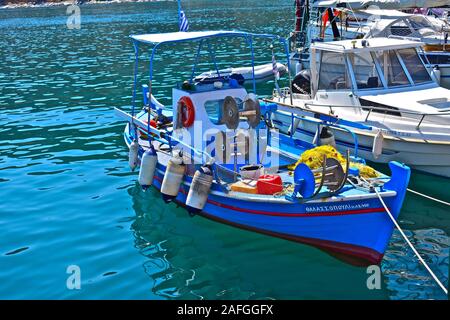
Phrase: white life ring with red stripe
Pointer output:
(186, 111)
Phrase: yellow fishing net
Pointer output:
(313, 158)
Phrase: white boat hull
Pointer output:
(263, 73)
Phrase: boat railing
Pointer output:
(333, 125)
(385, 110)
(320, 119)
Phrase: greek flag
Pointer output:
(184, 25)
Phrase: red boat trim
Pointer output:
(280, 214)
(294, 215)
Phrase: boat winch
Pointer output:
(133, 159)
(199, 190)
(308, 183)
(173, 177)
(148, 167)
(251, 111)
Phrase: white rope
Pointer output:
(428, 197)
(410, 244)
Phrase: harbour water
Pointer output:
(67, 196)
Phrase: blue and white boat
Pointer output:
(196, 150)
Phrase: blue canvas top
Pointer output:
(158, 38)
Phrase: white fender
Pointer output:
(436, 74)
(173, 177)
(377, 148)
(199, 190)
(148, 167)
(133, 155)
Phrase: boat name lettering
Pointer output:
(340, 207)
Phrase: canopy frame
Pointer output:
(156, 40)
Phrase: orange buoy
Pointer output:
(187, 111)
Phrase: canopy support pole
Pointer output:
(136, 60)
(213, 58)
(253, 63)
(196, 60)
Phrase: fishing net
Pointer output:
(313, 158)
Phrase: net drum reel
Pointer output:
(309, 183)
(230, 115)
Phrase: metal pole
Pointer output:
(179, 15)
(253, 64)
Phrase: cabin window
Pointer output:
(333, 72)
(392, 69)
(436, 58)
(214, 109)
(414, 65)
(366, 74)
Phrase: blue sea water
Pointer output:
(67, 196)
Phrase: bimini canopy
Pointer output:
(382, 4)
(158, 38)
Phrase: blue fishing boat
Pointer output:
(214, 151)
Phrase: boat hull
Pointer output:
(355, 231)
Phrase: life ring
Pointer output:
(186, 109)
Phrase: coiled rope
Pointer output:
(410, 244)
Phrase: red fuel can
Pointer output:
(269, 184)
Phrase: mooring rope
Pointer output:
(428, 197)
(410, 244)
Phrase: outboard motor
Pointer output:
(302, 82)
(148, 167)
(327, 137)
(238, 77)
(133, 159)
(172, 178)
(199, 190)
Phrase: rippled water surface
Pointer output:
(68, 197)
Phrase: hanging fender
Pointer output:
(377, 148)
(186, 111)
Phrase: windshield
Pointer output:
(414, 65)
(333, 72)
(366, 74)
(372, 69)
(392, 69)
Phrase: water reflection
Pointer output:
(405, 276)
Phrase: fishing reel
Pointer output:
(309, 183)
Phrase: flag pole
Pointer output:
(179, 14)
